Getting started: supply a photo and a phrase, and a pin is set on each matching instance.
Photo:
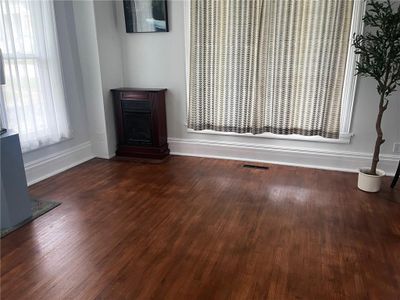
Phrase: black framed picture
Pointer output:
(146, 16)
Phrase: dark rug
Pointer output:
(39, 207)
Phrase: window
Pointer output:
(277, 66)
(32, 99)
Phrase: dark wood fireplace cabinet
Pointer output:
(141, 123)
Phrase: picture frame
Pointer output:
(142, 16)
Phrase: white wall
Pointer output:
(91, 76)
(110, 55)
(101, 63)
(158, 60)
(94, 49)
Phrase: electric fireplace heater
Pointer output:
(141, 122)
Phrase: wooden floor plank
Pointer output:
(195, 228)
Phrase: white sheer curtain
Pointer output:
(33, 96)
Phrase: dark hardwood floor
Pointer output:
(194, 228)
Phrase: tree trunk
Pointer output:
(379, 139)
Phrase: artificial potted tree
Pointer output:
(379, 58)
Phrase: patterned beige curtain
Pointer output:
(268, 65)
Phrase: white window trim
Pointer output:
(350, 80)
(348, 94)
(343, 139)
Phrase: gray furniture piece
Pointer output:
(15, 201)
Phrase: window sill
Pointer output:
(343, 139)
(46, 145)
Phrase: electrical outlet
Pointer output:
(396, 147)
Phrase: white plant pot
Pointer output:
(370, 183)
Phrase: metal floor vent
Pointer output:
(256, 167)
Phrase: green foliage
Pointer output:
(379, 49)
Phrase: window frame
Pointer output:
(41, 61)
(348, 93)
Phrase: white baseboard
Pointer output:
(302, 157)
(45, 167)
